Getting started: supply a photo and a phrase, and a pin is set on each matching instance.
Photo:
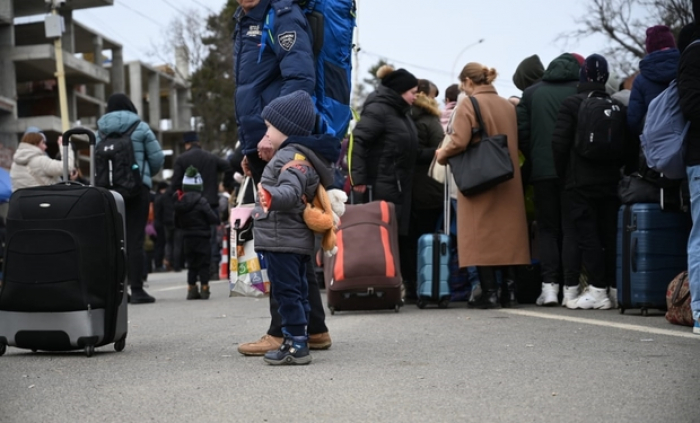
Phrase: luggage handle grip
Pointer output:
(633, 255)
(92, 140)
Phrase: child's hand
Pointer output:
(264, 197)
(265, 150)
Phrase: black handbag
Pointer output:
(483, 164)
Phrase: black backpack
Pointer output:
(115, 164)
(600, 134)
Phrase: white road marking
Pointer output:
(623, 326)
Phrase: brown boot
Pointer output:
(204, 293)
(320, 341)
(260, 347)
(193, 292)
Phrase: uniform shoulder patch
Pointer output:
(298, 156)
(287, 39)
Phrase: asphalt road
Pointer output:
(456, 365)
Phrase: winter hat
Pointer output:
(120, 101)
(190, 136)
(594, 69)
(578, 57)
(659, 37)
(192, 180)
(400, 81)
(529, 71)
(32, 130)
(292, 114)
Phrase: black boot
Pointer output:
(489, 292)
(140, 296)
(508, 299)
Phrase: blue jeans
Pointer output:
(287, 272)
(694, 240)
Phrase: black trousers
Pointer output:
(557, 235)
(136, 217)
(198, 254)
(317, 317)
(595, 220)
(423, 221)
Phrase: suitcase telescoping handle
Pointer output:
(369, 190)
(66, 145)
(447, 201)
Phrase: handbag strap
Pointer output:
(480, 120)
(674, 299)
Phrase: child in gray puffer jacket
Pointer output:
(300, 163)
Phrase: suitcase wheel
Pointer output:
(332, 309)
(622, 310)
(89, 350)
(444, 303)
(645, 312)
(120, 344)
(420, 304)
(3, 348)
(397, 307)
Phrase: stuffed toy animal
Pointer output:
(323, 214)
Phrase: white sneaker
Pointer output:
(549, 295)
(570, 293)
(612, 295)
(591, 297)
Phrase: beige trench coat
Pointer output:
(491, 226)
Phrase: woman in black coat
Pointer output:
(385, 141)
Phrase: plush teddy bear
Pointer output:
(323, 214)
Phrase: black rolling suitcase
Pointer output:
(65, 266)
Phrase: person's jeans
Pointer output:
(290, 289)
(694, 240)
(556, 235)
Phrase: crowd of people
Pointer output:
(400, 135)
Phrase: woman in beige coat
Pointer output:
(491, 226)
(32, 167)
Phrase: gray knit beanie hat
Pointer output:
(292, 114)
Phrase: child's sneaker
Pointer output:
(696, 327)
(193, 292)
(294, 350)
(205, 293)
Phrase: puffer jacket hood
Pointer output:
(117, 122)
(425, 105)
(25, 152)
(563, 68)
(661, 66)
(321, 150)
(529, 71)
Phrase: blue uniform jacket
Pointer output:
(285, 65)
